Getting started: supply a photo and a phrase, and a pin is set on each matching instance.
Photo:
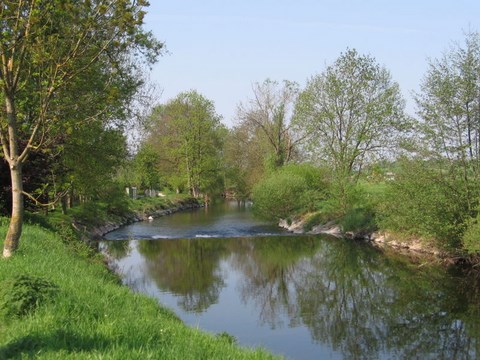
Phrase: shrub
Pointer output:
(426, 202)
(471, 237)
(291, 189)
(118, 203)
(279, 196)
(24, 294)
(359, 220)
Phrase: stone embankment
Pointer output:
(380, 239)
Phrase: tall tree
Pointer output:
(444, 191)
(449, 108)
(245, 156)
(267, 115)
(349, 112)
(188, 136)
(45, 48)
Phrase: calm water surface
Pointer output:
(303, 297)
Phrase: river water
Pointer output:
(304, 297)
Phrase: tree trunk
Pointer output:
(16, 221)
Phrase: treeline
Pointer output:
(342, 149)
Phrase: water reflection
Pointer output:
(351, 297)
(187, 268)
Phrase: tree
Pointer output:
(244, 157)
(449, 108)
(188, 136)
(440, 197)
(146, 162)
(48, 48)
(268, 118)
(349, 112)
(91, 175)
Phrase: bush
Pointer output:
(471, 237)
(289, 190)
(423, 201)
(359, 220)
(24, 294)
(118, 203)
(279, 196)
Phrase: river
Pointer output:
(304, 297)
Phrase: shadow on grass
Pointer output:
(66, 341)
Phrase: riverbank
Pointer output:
(378, 239)
(61, 301)
(145, 213)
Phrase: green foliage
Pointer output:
(313, 220)
(316, 177)
(187, 137)
(359, 221)
(92, 213)
(424, 201)
(471, 237)
(24, 294)
(291, 189)
(146, 168)
(436, 197)
(91, 156)
(117, 201)
(279, 196)
(230, 339)
(348, 113)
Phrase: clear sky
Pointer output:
(221, 47)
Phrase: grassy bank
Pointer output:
(67, 304)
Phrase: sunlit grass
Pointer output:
(94, 317)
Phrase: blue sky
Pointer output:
(220, 48)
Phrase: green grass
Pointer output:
(90, 315)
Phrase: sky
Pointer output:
(222, 47)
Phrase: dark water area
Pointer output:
(304, 297)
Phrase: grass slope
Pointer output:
(92, 316)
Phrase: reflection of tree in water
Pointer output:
(268, 265)
(117, 249)
(359, 301)
(341, 301)
(188, 268)
(366, 304)
(434, 313)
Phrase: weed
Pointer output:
(25, 293)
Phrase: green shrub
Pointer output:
(426, 202)
(471, 237)
(73, 239)
(279, 196)
(290, 190)
(91, 212)
(118, 203)
(24, 294)
(359, 220)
